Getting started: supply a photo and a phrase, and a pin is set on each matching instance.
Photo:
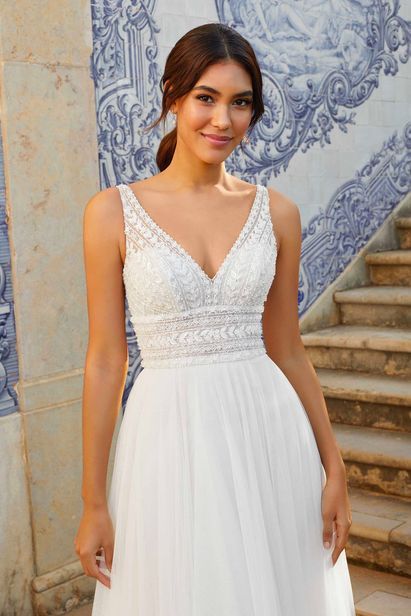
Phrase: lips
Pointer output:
(217, 137)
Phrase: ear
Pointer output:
(167, 85)
(173, 107)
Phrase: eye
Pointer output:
(245, 101)
(203, 96)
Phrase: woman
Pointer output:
(226, 490)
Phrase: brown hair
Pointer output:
(191, 55)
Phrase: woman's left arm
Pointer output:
(285, 347)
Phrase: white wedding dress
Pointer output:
(216, 488)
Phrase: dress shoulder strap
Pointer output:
(125, 202)
(268, 226)
(130, 218)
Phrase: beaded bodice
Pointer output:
(180, 315)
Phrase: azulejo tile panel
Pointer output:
(8, 349)
(320, 60)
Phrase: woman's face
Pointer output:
(219, 104)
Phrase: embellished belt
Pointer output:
(206, 335)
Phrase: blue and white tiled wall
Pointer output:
(336, 133)
(8, 352)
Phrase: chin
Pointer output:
(214, 160)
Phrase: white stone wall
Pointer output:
(48, 124)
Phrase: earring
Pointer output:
(245, 139)
(173, 118)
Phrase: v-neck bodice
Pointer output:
(180, 314)
(168, 239)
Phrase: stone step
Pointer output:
(380, 534)
(380, 594)
(389, 257)
(364, 399)
(390, 267)
(403, 226)
(376, 460)
(383, 306)
(380, 350)
(85, 610)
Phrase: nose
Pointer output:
(221, 117)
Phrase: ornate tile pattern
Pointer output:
(8, 349)
(320, 60)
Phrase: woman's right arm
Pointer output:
(105, 370)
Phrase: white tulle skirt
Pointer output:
(216, 499)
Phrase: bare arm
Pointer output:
(107, 356)
(282, 335)
(104, 374)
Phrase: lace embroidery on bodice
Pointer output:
(180, 315)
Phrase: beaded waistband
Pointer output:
(208, 335)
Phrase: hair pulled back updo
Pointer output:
(191, 55)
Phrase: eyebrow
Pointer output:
(214, 91)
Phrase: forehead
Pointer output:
(226, 76)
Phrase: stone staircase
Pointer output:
(364, 367)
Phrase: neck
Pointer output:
(185, 171)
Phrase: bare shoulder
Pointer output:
(242, 186)
(281, 205)
(153, 184)
(104, 209)
(285, 215)
(103, 223)
(103, 202)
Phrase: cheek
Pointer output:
(196, 116)
(242, 121)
